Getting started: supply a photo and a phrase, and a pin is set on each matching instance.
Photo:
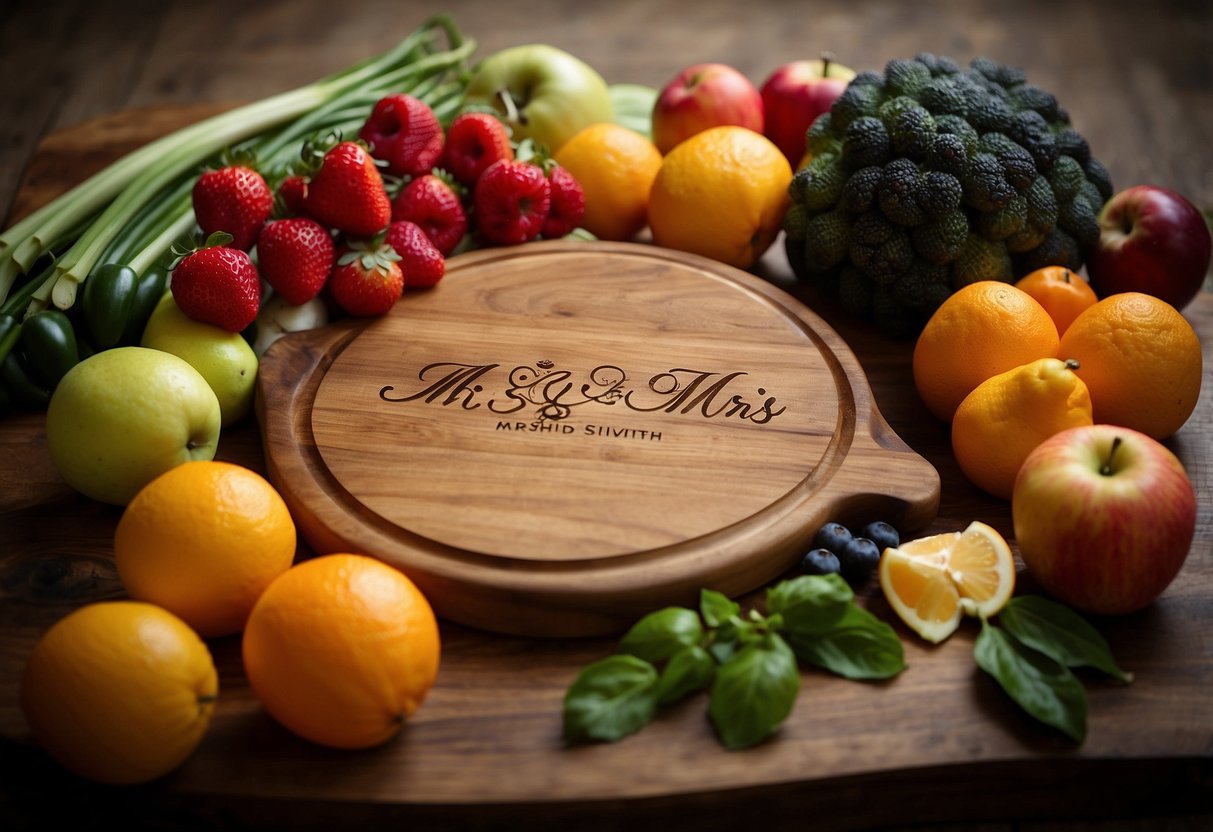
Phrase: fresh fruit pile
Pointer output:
(918, 196)
(340, 649)
(343, 228)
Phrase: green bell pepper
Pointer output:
(152, 285)
(109, 298)
(48, 342)
(25, 391)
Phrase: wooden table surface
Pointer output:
(940, 744)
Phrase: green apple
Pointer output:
(224, 358)
(542, 93)
(122, 417)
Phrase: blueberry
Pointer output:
(882, 534)
(832, 536)
(859, 558)
(820, 562)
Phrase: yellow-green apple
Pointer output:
(123, 416)
(225, 359)
(1104, 517)
(794, 95)
(1151, 240)
(543, 93)
(703, 96)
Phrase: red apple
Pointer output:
(703, 96)
(1104, 517)
(794, 95)
(1151, 240)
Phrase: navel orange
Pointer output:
(120, 692)
(341, 650)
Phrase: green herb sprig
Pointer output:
(749, 664)
(1030, 651)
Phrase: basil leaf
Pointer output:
(810, 604)
(754, 692)
(716, 607)
(661, 634)
(688, 670)
(1041, 686)
(610, 699)
(860, 646)
(1059, 633)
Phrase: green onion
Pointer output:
(133, 210)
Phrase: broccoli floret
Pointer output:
(981, 259)
(1007, 220)
(859, 192)
(939, 241)
(1077, 218)
(1057, 249)
(827, 240)
(795, 219)
(912, 132)
(1071, 143)
(906, 76)
(1032, 97)
(856, 101)
(1097, 175)
(941, 193)
(937, 64)
(985, 186)
(1066, 178)
(929, 176)
(821, 183)
(1029, 129)
(1018, 167)
(820, 138)
(866, 143)
(991, 115)
(899, 193)
(1042, 206)
(949, 155)
(1001, 74)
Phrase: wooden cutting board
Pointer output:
(563, 436)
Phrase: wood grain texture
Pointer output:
(563, 437)
(939, 743)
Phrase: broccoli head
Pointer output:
(929, 176)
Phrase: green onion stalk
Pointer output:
(133, 211)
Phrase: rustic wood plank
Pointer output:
(940, 741)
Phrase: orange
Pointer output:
(933, 581)
(203, 540)
(722, 193)
(615, 167)
(341, 650)
(986, 328)
(119, 691)
(1141, 360)
(1063, 294)
(1008, 415)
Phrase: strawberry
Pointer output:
(235, 199)
(404, 132)
(433, 203)
(568, 203)
(366, 280)
(512, 199)
(421, 263)
(473, 142)
(347, 192)
(292, 195)
(217, 285)
(295, 257)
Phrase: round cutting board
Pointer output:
(560, 437)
